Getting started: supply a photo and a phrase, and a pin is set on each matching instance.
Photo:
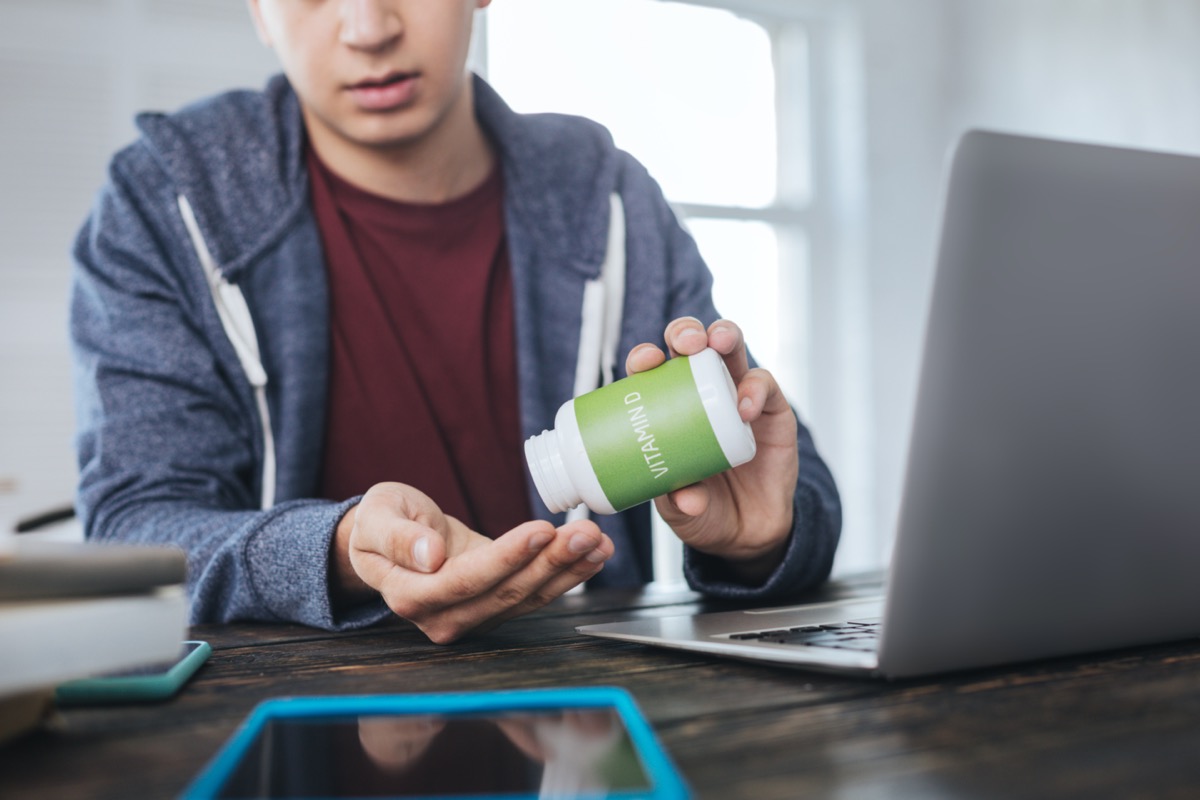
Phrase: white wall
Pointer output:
(864, 404)
(1112, 71)
(72, 75)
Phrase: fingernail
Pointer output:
(596, 556)
(420, 552)
(744, 404)
(690, 333)
(581, 543)
(693, 319)
(539, 540)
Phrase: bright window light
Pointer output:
(744, 259)
(688, 90)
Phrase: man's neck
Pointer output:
(448, 163)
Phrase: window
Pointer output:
(699, 113)
(715, 98)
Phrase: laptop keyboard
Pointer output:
(862, 634)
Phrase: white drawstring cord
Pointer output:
(600, 324)
(239, 327)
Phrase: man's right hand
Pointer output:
(449, 580)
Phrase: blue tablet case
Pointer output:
(665, 781)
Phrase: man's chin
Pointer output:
(388, 135)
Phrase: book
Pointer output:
(74, 609)
(45, 642)
(31, 569)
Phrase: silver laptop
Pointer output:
(1051, 502)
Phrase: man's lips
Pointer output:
(386, 92)
(383, 80)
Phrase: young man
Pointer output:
(313, 326)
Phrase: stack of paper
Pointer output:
(69, 610)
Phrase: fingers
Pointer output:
(759, 393)
(643, 357)
(687, 336)
(726, 338)
(683, 336)
(516, 573)
(449, 580)
(691, 501)
(402, 525)
(558, 574)
(578, 552)
(467, 575)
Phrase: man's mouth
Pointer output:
(386, 92)
(387, 80)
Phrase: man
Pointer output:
(366, 282)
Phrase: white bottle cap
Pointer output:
(544, 456)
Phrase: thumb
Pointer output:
(403, 525)
(689, 501)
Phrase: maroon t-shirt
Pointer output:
(422, 379)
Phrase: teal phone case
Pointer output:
(142, 687)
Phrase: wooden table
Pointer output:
(1121, 724)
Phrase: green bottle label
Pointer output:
(647, 434)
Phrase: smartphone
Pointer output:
(588, 742)
(139, 685)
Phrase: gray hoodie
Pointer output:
(170, 433)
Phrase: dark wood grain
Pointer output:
(1120, 724)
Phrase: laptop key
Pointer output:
(845, 636)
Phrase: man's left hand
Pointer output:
(742, 515)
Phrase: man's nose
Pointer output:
(369, 24)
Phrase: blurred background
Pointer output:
(802, 141)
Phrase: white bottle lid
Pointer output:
(549, 473)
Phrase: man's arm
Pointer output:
(166, 443)
(167, 452)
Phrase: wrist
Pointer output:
(346, 587)
(754, 562)
(754, 570)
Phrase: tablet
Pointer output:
(562, 743)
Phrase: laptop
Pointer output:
(1051, 499)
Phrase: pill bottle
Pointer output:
(641, 437)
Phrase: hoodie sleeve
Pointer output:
(816, 506)
(167, 440)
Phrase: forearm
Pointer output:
(247, 565)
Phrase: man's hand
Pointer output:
(743, 515)
(449, 580)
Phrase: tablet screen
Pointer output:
(557, 753)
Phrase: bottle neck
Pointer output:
(543, 453)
